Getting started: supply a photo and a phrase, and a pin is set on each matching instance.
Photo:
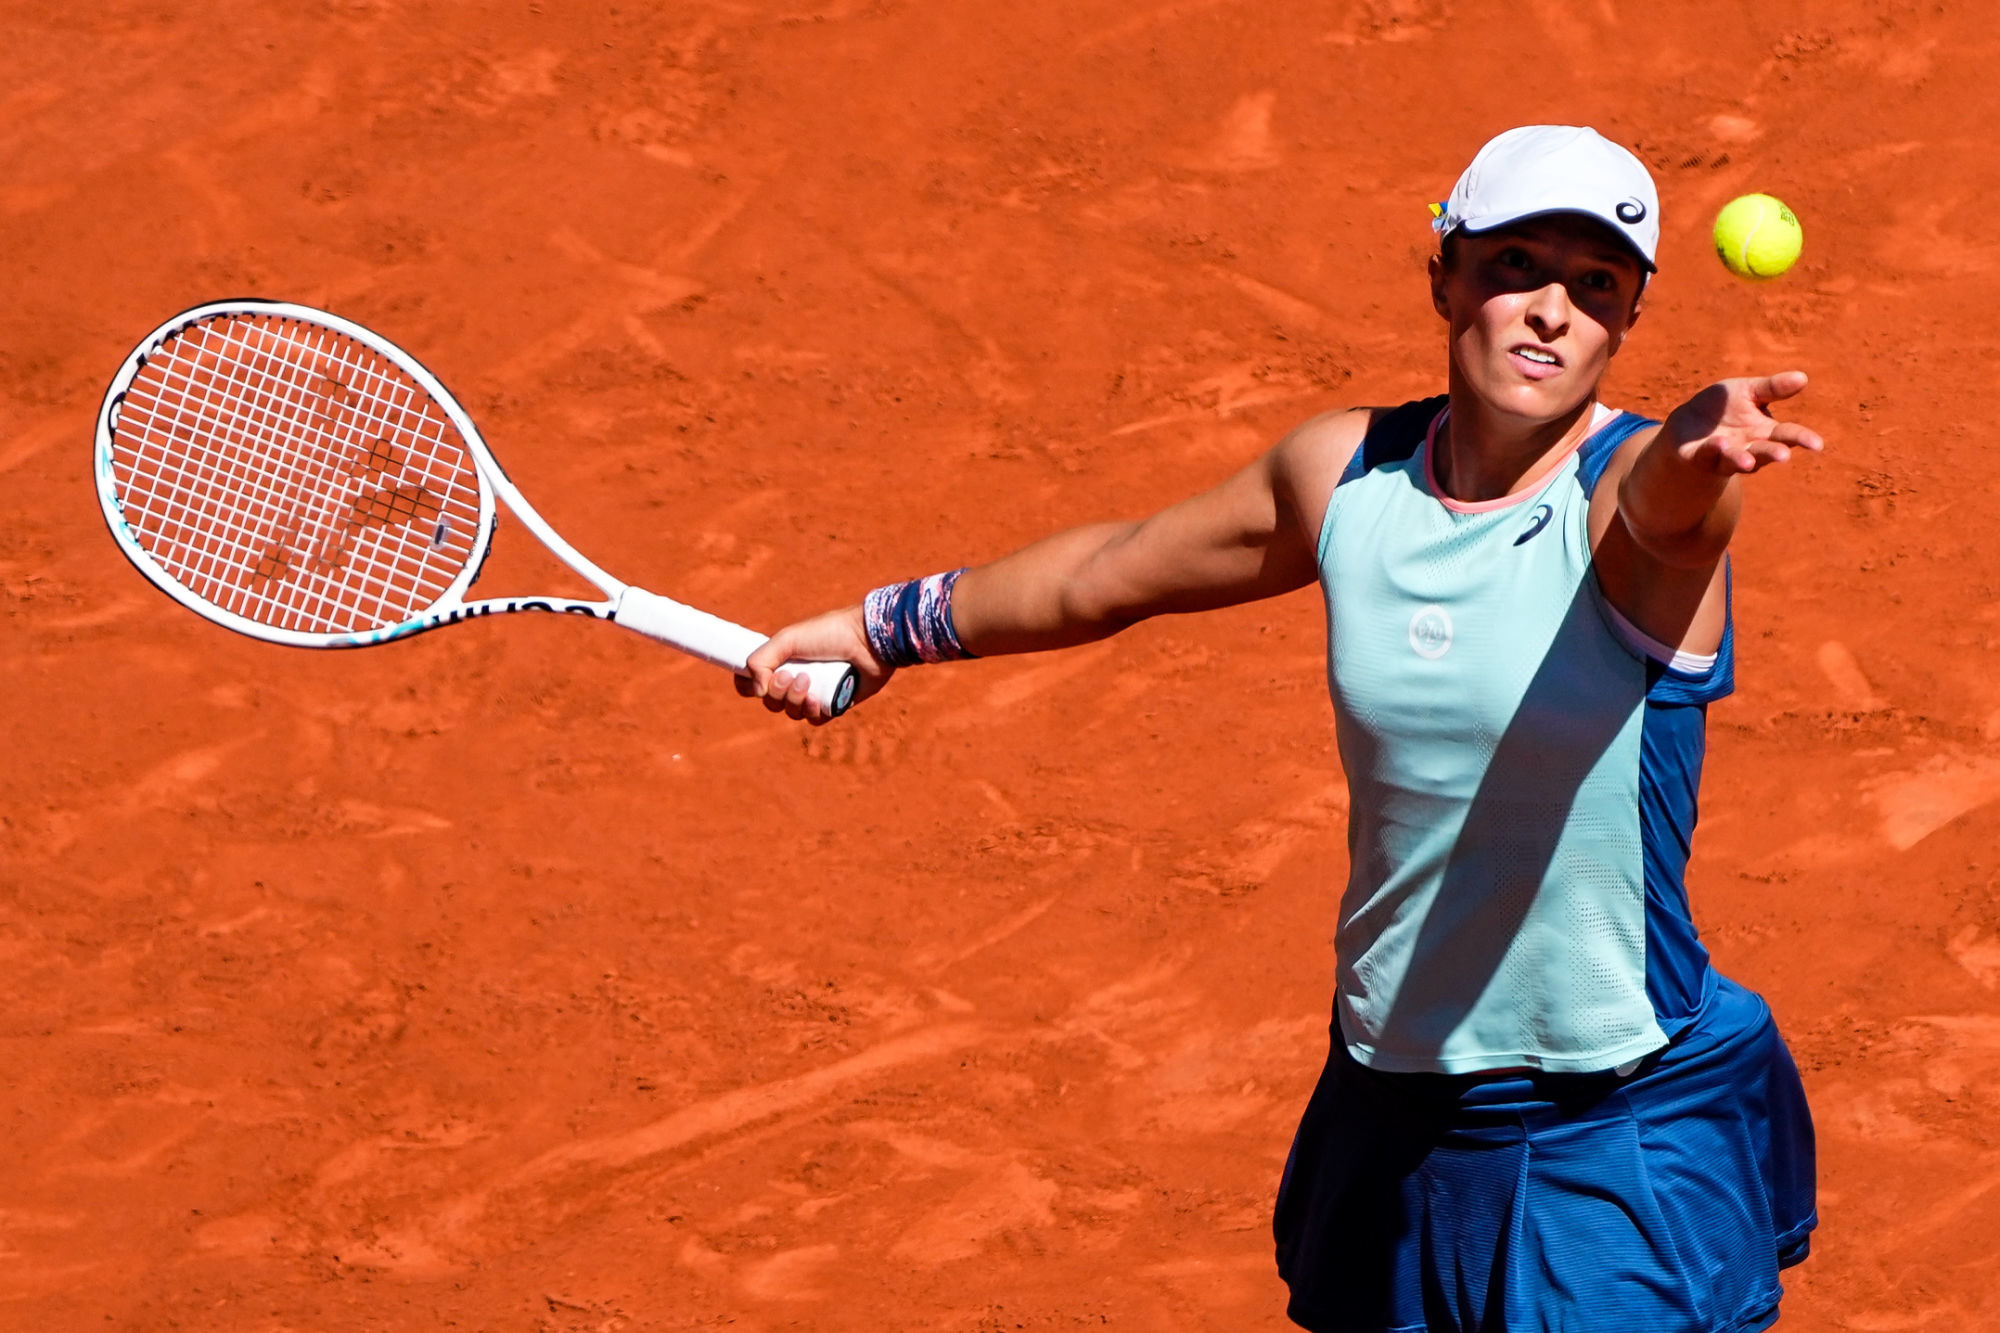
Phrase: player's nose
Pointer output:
(1549, 311)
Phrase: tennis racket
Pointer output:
(297, 478)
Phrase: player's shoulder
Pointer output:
(1324, 447)
(1308, 463)
(1328, 442)
(1339, 423)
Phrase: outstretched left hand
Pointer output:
(1727, 429)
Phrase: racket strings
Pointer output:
(292, 475)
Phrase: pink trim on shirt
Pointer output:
(1598, 416)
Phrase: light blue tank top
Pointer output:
(1522, 766)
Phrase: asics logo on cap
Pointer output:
(1631, 212)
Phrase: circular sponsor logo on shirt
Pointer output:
(1430, 632)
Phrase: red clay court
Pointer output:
(521, 977)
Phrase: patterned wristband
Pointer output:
(909, 623)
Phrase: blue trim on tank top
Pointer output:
(1598, 451)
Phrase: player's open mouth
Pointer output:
(1535, 361)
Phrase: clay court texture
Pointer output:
(520, 976)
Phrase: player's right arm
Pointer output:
(1251, 537)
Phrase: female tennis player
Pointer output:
(1543, 1109)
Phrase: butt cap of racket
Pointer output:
(716, 640)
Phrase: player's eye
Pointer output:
(1601, 280)
(1516, 258)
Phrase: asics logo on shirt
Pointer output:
(1543, 513)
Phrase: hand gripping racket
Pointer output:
(294, 477)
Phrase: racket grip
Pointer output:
(713, 639)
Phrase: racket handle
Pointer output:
(713, 639)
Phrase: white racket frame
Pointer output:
(697, 633)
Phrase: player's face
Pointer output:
(1537, 311)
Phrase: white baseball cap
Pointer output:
(1539, 169)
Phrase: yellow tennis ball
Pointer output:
(1757, 236)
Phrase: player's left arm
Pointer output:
(1664, 513)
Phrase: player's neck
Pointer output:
(1484, 455)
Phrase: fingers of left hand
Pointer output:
(1774, 388)
(1797, 436)
(1775, 447)
(1763, 454)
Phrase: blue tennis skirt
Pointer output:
(1555, 1203)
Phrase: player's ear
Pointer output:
(1638, 307)
(1438, 302)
